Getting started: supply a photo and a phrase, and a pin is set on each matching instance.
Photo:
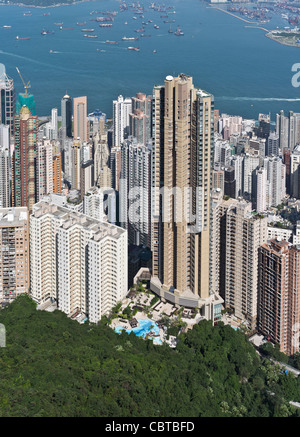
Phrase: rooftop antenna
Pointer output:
(25, 86)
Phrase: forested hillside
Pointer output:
(53, 366)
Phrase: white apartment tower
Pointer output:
(5, 200)
(102, 172)
(44, 168)
(77, 260)
(276, 180)
(261, 190)
(251, 163)
(237, 164)
(245, 232)
(295, 172)
(121, 110)
(135, 192)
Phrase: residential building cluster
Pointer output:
(169, 185)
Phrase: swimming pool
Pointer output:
(143, 329)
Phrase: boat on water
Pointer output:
(6, 27)
(58, 24)
(178, 32)
(154, 51)
(137, 49)
(46, 32)
(143, 35)
(24, 37)
(169, 21)
(91, 36)
(87, 30)
(100, 50)
(156, 26)
(111, 42)
(27, 14)
(125, 38)
(170, 30)
(81, 24)
(293, 20)
(125, 22)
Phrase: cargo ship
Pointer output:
(125, 38)
(104, 19)
(169, 21)
(24, 37)
(144, 35)
(111, 42)
(90, 36)
(6, 27)
(87, 30)
(81, 24)
(137, 49)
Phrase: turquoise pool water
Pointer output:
(143, 329)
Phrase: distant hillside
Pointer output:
(53, 366)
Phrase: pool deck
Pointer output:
(139, 316)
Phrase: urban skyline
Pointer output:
(169, 217)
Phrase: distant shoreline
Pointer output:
(268, 35)
(46, 7)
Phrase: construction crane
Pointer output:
(25, 86)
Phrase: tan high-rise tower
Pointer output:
(24, 181)
(183, 118)
(80, 128)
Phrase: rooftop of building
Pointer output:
(277, 245)
(70, 219)
(13, 216)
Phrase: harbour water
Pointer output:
(247, 72)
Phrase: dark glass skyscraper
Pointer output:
(7, 99)
(66, 116)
